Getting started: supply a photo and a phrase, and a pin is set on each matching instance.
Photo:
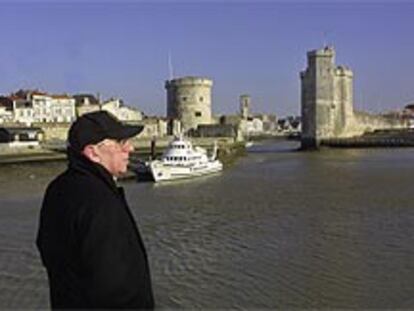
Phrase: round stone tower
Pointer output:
(189, 100)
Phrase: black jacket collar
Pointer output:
(80, 163)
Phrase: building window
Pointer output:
(198, 114)
(184, 98)
(201, 98)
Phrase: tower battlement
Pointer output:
(189, 81)
(327, 51)
(327, 101)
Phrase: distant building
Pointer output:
(173, 127)
(408, 111)
(216, 130)
(122, 112)
(63, 108)
(260, 124)
(6, 110)
(254, 127)
(289, 124)
(23, 111)
(20, 136)
(327, 103)
(153, 127)
(86, 103)
(34, 106)
(6, 116)
(269, 122)
(233, 119)
(189, 100)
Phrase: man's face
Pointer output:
(114, 155)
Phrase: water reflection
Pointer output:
(278, 229)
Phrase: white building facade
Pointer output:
(53, 108)
(122, 112)
(23, 111)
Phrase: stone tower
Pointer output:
(189, 100)
(245, 106)
(327, 104)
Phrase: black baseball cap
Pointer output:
(93, 127)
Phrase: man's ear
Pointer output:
(91, 153)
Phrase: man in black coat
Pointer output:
(88, 239)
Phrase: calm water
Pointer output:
(279, 229)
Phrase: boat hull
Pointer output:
(163, 172)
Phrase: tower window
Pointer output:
(198, 114)
(201, 98)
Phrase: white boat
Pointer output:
(183, 160)
(248, 144)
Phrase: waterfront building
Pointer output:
(189, 100)
(153, 127)
(86, 103)
(122, 112)
(34, 106)
(327, 103)
(269, 122)
(20, 136)
(173, 127)
(254, 127)
(247, 124)
(408, 114)
(62, 108)
(216, 130)
(6, 116)
(6, 110)
(290, 124)
(23, 111)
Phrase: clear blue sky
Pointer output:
(120, 49)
